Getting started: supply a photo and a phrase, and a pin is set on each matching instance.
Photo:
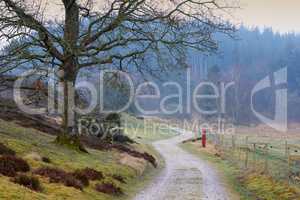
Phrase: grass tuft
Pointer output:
(46, 160)
(4, 150)
(264, 187)
(119, 178)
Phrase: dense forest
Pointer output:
(246, 58)
(252, 56)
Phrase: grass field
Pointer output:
(27, 141)
(255, 165)
(268, 153)
(147, 130)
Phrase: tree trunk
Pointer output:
(67, 107)
(237, 79)
(67, 110)
(71, 35)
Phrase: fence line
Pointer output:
(279, 158)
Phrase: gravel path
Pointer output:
(186, 177)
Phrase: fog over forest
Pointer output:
(245, 59)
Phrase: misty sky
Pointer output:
(281, 15)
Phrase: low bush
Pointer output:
(71, 181)
(91, 174)
(7, 170)
(109, 188)
(56, 175)
(10, 165)
(81, 176)
(30, 182)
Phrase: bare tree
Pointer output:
(125, 34)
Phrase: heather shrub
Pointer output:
(81, 176)
(109, 188)
(10, 165)
(56, 175)
(91, 174)
(71, 181)
(30, 182)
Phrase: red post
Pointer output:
(204, 138)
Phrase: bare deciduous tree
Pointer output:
(125, 34)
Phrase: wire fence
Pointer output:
(276, 157)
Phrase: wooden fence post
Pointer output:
(266, 160)
(239, 149)
(233, 142)
(254, 155)
(286, 149)
(246, 159)
(289, 163)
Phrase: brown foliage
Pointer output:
(10, 165)
(71, 181)
(30, 182)
(109, 188)
(56, 175)
(79, 175)
(90, 174)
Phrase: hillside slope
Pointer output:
(32, 145)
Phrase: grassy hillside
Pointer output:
(28, 143)
(147, 130)
(248, 184)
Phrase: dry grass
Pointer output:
(252, 183)
(33, 145)
(4, 150)
(265, 188)
(138, 164)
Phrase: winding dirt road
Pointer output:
(186, 177)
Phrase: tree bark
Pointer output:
(71, 34)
